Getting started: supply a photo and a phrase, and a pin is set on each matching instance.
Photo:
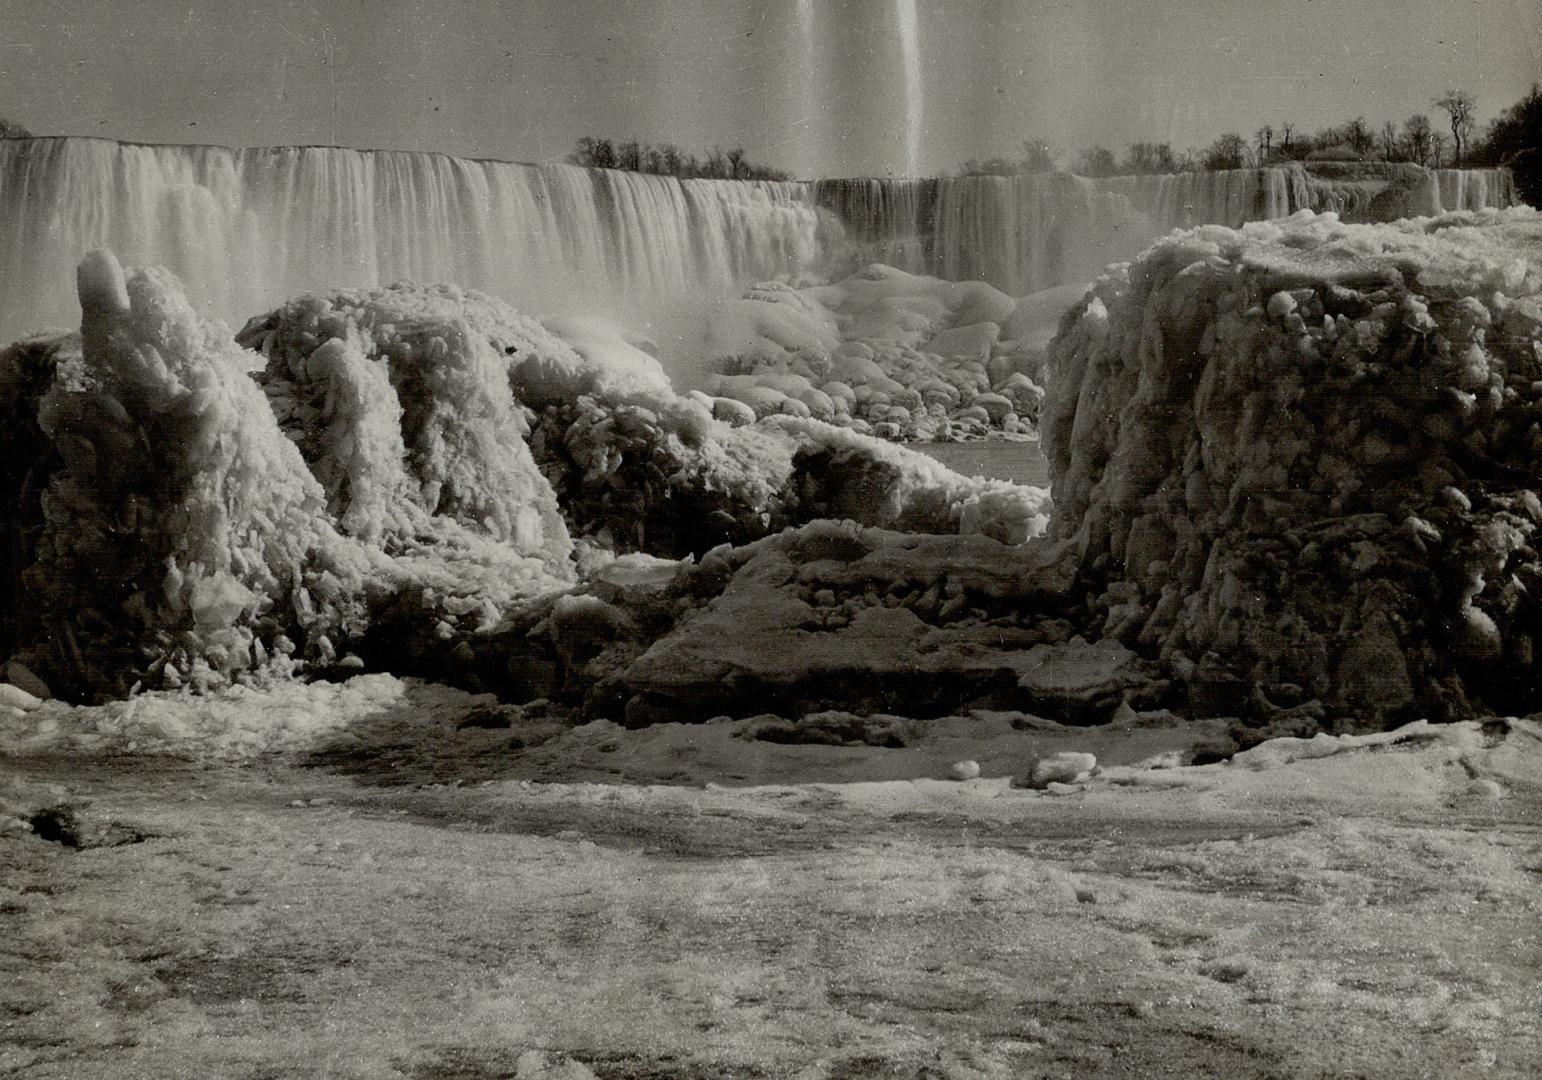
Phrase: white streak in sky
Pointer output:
(808, 105)
(911, 47)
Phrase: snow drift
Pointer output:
(1297, 460)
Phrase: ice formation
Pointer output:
(165, 531)
(1028, 233)
(902, 356)
(627, 461)
(1296, 460)
(187, 511)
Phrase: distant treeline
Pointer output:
(671, 160)
(1513, 139)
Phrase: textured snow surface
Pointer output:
(1303, 453)
(463, 902)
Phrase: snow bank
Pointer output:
(904, 356)
(1297, 459)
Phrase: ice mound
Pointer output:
(164, 531)
(399, 403)
(412, 461)
(628, 463)
(829, 616)
(1298, 461)
(903, 356)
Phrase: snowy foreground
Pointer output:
(370, 880)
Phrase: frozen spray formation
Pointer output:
(184, 511)
(903, 356)
(247, 229)
(1297, 461)
(162, 530)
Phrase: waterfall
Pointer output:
(1024, 233)
(247, 229)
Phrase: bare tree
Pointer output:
(1389, 141)
(738, 165)
(1358, 134)
(1227, 152)
(1287, 129)
(1265, 137)
(1417, 134)
(1459, 105)
(1145, 157)
(1097, 161)
(1438, 144)
(1038, 157)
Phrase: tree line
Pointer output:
(670, 160)
(1512, 139)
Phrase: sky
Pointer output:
(817, 87)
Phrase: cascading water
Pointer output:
(1024, 233)
(246, 229)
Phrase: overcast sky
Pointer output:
(815, 86)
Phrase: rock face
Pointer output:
(1297, 461)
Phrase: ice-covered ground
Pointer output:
(376, 879)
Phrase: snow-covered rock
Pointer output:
(1302, 453)
(834, 616)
